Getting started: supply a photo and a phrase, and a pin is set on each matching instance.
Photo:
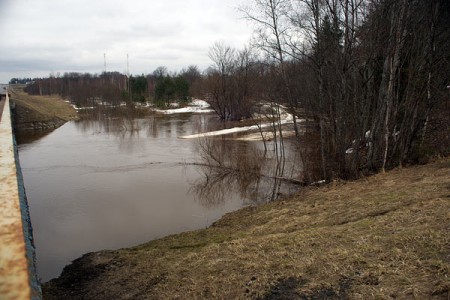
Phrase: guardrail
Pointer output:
(18, 277)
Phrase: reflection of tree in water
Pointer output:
(243, 167)
(123, 123)
(116, 121)
(254, 171)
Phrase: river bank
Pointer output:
(384, 236)
(31, 113)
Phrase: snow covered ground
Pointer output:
(286, 118)
(196, 106)
(268, 135)
(234, 130)
(82, 108)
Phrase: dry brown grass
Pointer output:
(41, 108)
(381, 237)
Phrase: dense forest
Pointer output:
(366, 79)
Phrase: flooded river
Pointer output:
(110, 183)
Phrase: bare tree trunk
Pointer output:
(316, 13)
(394, 64)
(268, 17)
(432, 49)
(322, 148)
(40, 87)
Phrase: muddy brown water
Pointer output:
(113, 183)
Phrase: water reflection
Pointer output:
(255, 171)
(31, 136)
(130, 122)
(115, 179)
(258, 175)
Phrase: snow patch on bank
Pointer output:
(288, 120)
(232, 130)
(196, 106)
(268, 136)
(82, 108)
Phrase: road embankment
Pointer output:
(31, 113)
(380, 237)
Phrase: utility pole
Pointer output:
(104, 61)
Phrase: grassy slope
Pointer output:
(41, 108)
(385, 236)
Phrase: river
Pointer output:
(111, 183)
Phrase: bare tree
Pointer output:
(273, 31)
(229, 82)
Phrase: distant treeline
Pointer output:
(114, 87)
(370, 77)
(20, 81)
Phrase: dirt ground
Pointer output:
(381, 237)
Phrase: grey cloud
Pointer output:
(71, 35)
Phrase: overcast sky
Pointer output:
(43, 36)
